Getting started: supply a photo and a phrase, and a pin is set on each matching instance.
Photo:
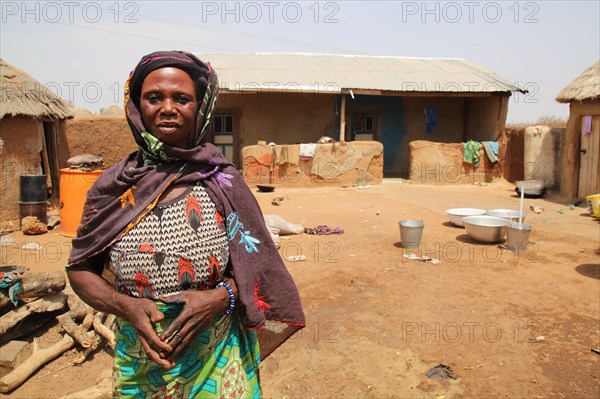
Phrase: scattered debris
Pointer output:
(473, 368)
(277, 201)
(441, 372)
(596, 351)
(7, 240)
(560, 210)
(296, 258)
(86, 162)
(422, 258)
(53, 221)
(284, 227)
(539, 338)
(324, 230)
(31, 225)
(325, 140)
(32, 246)
(536, 209)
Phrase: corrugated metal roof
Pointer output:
(333, 73)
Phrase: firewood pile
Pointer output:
(39, 298)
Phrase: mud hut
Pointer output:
(31, 120)
(581, 150)
(291, 98)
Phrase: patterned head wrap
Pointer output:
(207, 87)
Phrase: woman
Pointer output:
(196, 270)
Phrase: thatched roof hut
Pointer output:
(581, 150)
(585, 87)
(23, 95)
(31, 121)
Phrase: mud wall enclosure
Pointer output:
(107, 136)
(22, 143)
(338, 164)
(442, 163)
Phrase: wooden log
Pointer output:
(36, 285)
(77, 308)
(50, 303)
(95, 342)
(79, 333)
(88, 320)
(35, 361)
(104, 330)
(110, 321)
(29, 325)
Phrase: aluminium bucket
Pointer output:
(517, 236)
(410, 233)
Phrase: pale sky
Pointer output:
(84, 50)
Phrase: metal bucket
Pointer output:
(410, 233)
(517, 236)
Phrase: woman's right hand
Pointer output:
(141, 314)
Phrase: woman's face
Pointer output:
(168, 105)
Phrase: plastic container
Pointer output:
(593, 202)
(74, 185)
(33, 188)
(410, 233)
(517, 236)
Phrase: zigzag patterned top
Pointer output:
(180, 245)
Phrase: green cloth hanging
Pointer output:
(471, 153)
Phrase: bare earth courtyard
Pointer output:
(378, 321)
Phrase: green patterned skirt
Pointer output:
(221, 363)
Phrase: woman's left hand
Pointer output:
(199, 309)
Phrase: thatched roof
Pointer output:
(20, 94)
(585, 87)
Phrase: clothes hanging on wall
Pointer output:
(471, 152)
(491, 150)
(431, 120)
(586, 125)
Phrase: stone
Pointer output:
(31, 225)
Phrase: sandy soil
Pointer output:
(377, 321)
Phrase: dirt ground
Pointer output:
(376, 322)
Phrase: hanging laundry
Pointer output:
(307, 150)
(431, 120)
(491, 150)
(471, 153)
(586, 125)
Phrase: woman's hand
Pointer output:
(199, 310)
(142, 313)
